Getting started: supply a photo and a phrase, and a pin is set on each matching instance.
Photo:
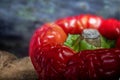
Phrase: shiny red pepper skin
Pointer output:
(110, 28)
(76, 24)
(101, 64)
(54, 61)
(118, 43)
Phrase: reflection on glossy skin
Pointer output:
(55, 61)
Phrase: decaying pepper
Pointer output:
(61, 51)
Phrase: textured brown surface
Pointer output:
(12, 68)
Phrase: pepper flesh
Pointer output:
(54, 61)
(110, 28)
(102, 64)
(76, 24)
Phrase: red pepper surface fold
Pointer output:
(54, 61)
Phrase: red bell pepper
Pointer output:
(110, 28)
(118, 43)
(55, 61)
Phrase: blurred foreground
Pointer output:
(13, 68)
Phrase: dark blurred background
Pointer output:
(20, 18)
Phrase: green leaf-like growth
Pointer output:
(106, 43)
(75, 42)
(84, 45)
